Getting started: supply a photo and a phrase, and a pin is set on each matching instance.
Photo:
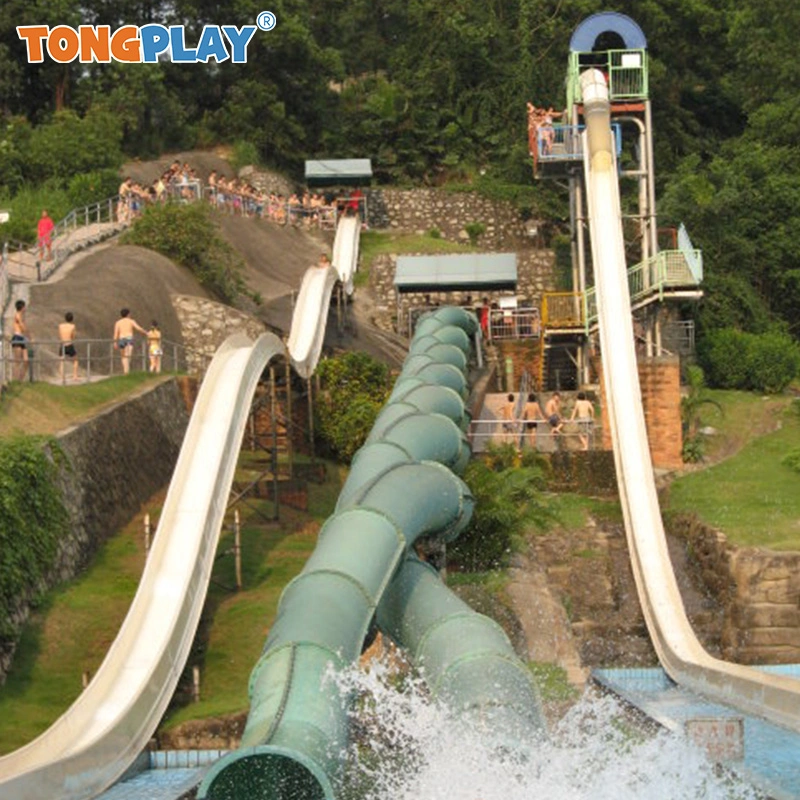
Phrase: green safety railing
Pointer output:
(626, 71)
(667, 269)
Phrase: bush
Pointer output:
(187, 234)
(92, 187)
(764, 362)
(32, 521)
(244, 154)
(506, 500)
(773, 360)
(71, 145)
(354, 388)
(26, 208)
(474, 230)
(723, 356)
(792, 460)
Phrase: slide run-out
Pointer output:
(772, 697)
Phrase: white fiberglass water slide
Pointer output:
(313, 301)
(773, 697)
(310, 317)
(101, 734)
(345, 250)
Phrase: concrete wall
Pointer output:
(758, 589)
(111, 465)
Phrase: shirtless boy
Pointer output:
(583, 412)
(124, 329)
(20, 341)
(66, 336)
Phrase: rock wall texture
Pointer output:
(205, 324)
(759, 591)
(110, 465)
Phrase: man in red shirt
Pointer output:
(45, 234)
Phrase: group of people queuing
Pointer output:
(236, 196)
(521, 420)
(125, 330)
(179, 182)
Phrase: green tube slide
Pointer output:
(297, 725)
(465, 657)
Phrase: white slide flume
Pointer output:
(101, 734)
(772, 697)
(345, 250)
(310, 317)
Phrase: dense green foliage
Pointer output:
(354, 389)
(507, 490)
(764, 362)
(187, 234)
(32, 520)
(434, 93)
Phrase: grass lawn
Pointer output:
(374, 243)
(751, 496)
(46, 408)
(68, 636)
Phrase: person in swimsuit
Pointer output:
(584, 414)
(154, 347)
(124, 329)
(20, 340)
(66, 336)
(533, 415)
(324, 261)
(553, 413)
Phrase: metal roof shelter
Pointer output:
(455, 272)
(338, 172)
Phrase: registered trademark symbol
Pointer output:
(266, 20)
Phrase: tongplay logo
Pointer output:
(145, 44)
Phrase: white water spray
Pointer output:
(408, 747)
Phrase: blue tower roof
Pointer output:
(585, 35)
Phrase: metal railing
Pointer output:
(667, 269)
(563, 310)
(555, 143)
(625, 70)
(97, 358)
(535, 434)
(514, 323)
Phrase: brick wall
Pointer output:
(524, 355)
(659, 379)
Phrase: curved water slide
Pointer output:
(402, 487)
(313, 301)
(772, 697)
(309, 319)
(345, 249)
(99, 736)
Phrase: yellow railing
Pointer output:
(563, 310)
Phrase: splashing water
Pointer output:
(408, 747)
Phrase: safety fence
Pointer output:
(535, 434)
(95, 359)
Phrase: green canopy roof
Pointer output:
(452, 272)
(337, 171)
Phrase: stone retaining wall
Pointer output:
(205, 324)
(111, 465)
(423, 210)
(758, 589)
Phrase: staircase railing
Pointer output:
(668, 268)
(24, 260)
